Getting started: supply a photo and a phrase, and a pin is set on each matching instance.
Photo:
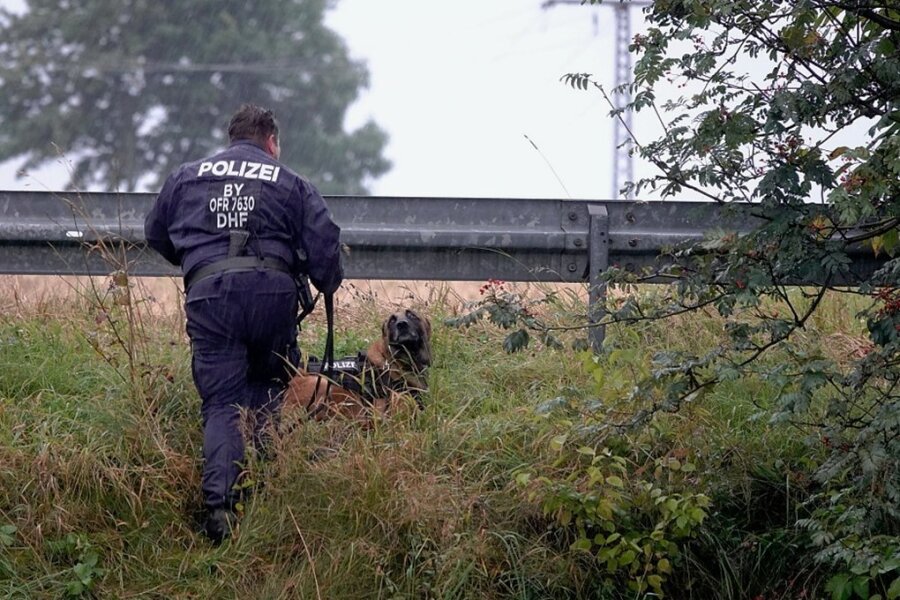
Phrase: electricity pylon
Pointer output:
(623, 166)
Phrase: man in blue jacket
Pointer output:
(242, 226)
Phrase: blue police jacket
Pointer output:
(244, 187)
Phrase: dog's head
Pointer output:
(408, 336)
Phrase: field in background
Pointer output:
(167, 292)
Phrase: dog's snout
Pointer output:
(402, 325)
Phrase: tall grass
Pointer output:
(100, 458)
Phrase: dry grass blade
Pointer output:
(312, 563)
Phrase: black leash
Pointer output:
(305, 298)
(328, 360)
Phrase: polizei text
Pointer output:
(243, 168)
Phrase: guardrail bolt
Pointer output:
(579, 242)
(572, 267)
(573, 216)
(629, 216)
(633, 242)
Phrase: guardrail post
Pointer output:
(598, 261)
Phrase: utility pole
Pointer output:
(623, 165)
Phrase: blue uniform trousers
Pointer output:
(243, 334)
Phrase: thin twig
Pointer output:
(555, 174)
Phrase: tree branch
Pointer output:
(871, 15)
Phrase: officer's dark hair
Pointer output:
(252, 122)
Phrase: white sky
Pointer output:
(458, 85)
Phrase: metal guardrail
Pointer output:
(456, 239)
(452, 239)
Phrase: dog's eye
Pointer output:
(412, 316)
(392, 320)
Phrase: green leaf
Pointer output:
(861, 587)
(578, 81)
(557, 442)
(615, 481)
(516, 341)
(886, 46)
(83, 572)
(90, 558)
(793, 36)
(838, 152)
(893, 591)
(840, 587)
(7, 535)
(605, 509)
(836, 262)
(581, 544)
(663, 566)
(890, 241)
(608, 556)
(551, 341)
(74, 589)
(888, 565)
(627, 558)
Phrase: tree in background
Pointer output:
(129, 90)
(761, 97)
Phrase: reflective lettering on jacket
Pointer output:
(243, 169)
(231, 203)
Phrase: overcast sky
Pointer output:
(459, 85)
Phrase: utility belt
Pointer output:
(236, 264)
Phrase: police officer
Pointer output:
(242, 226)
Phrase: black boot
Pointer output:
(219, 524)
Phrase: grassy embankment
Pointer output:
(100, 446)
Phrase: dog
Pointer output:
(392, 369)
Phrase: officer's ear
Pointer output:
(273, 147)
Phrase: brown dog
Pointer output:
(392, 368)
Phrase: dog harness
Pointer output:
(360, 377)
(353, 373)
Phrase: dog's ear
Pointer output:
(384, 329)
(426, 326)
(423, 356)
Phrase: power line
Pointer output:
(189, 67)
